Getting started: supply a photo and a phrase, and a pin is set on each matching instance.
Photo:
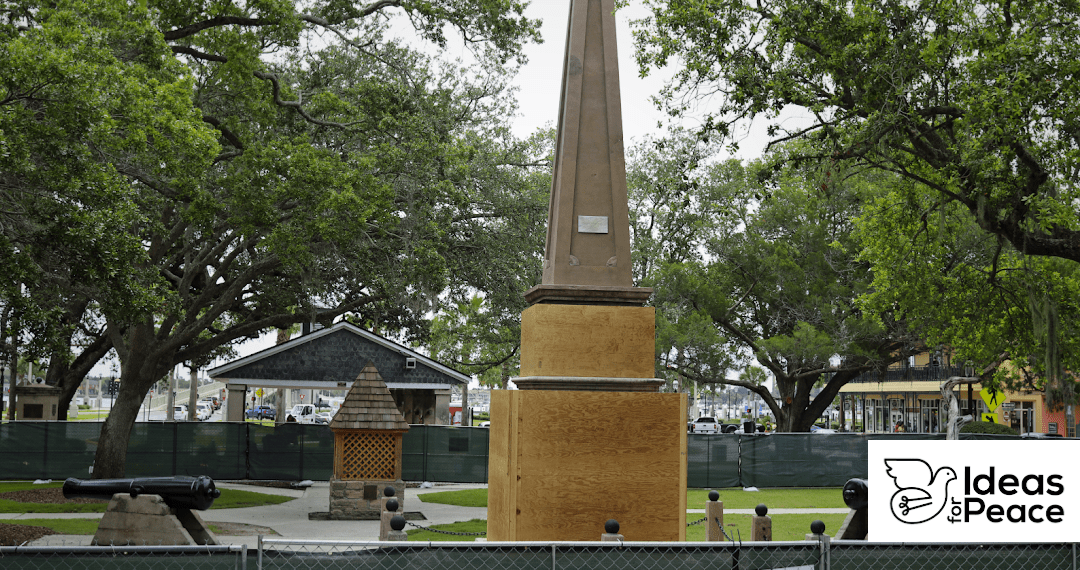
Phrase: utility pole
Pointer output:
(193, 394)
(170, 399)
(14, 375)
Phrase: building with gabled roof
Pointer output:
(331, 358)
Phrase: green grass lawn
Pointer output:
(785, 527)
(475, 525)
(793, 498)
(229, 499)
(62, 526)
(464, 498)
(736, 498)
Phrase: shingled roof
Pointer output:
(369, 405)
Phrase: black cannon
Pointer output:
(179, 492)
(856, 497)
(856, 494)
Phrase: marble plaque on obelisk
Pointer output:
(587, 438)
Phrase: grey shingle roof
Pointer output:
(369, 405)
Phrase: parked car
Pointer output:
(323, 417)
(180, 412)
(485, 423)
(203, 411)
(730, 428)
(706, 424)
(261, 413)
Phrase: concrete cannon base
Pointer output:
(147, 520)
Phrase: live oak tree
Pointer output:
(480, 334)
(183, 176)
(1013, 317)
(679, 200)
(974, 100)
(773, 278)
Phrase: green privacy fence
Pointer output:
(57, 450)
(232, 451)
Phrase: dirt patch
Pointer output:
(239, 529)
(54, 495)
(18, 534)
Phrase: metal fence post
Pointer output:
(553, 548)
(247, 456)
(175, 443)
(45, 454)
(826, 563)
(243, 557)
(303, 446)
(259, 553)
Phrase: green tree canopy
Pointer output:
(227, 172)
(973, 292)
(975, 100)
(773, 277)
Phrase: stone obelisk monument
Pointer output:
(587, 437)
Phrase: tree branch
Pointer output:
(215, 22)
(273, 79)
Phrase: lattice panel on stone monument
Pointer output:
(367, 455)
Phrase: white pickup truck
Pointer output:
(301, 414)
(705, 425)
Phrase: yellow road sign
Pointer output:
(992, 397)
(991, 418)
(258, 392)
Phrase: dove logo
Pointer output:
(972, 491)
(922, 492)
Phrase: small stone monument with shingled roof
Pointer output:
(367, 449)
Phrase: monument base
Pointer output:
(562, 463)
(588, 341)
(147, 520)
(361, 500)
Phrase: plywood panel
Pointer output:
(588, 340)
(499, 451)
(585, 457)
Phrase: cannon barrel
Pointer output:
(856, 494)
(178, 492)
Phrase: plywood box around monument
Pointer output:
(563, 463)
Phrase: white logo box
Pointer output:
(974, 491)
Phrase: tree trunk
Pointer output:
(69, 376)
(111, 457)
(141, 368)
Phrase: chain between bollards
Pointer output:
(699, 521)
(446, 531)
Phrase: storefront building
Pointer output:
(907, 397)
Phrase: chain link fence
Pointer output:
(859, 555)
(321, 555)
(284, 554)
(226, 557)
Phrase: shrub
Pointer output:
(988, 427)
